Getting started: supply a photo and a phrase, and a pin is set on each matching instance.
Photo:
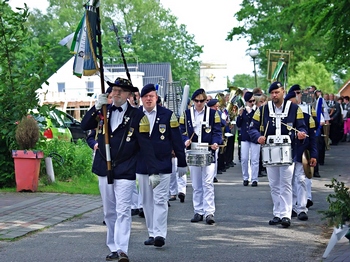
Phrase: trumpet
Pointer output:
(235, 102)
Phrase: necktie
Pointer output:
(113, 108)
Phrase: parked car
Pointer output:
(52, 126)
(73, 125)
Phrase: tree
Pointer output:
(312, 73)
(22, 70)
(280, 25)
(155, 36)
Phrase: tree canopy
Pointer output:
(155, 35)
(317, 28)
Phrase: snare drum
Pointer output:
(198, 158)
(276, 154)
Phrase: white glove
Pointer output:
(181, 171)
(101, 100)
(154, 180)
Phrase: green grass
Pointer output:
(75, 186)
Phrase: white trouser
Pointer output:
(308, 188)
(116, 200)
(216, 162)
(299, 189)
(280, 181)
(173, 190)
(155, 204)
(252, 149)
(203, 189)
(181, 184)
(135, 198)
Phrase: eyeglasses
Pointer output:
(199, 101)
(251, 101)
(297, 92)
(119, 90)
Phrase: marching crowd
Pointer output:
(143, 153)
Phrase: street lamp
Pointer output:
(253, 54)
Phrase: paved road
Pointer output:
(61, 227)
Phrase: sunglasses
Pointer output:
(251, 101)
(199, 101)
(297, 92)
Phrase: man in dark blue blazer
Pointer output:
(300, 193)
(265, 123)
(165, 137)
(128, 130)
(201, 124)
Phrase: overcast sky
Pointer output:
(209, 21)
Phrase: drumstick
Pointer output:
(191, 139)
(210, 145)
(267, 126)
(290, 127)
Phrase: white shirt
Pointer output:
(117, 117)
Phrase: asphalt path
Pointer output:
(241, 231)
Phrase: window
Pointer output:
(61, 87)
(89, 87)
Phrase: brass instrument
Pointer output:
(235, 101)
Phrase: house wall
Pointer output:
(213, 77)
(76, 99)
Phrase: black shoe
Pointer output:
(303, 216)
(169, 204)
(181, 197)
(245, 183)
(215, 180)
(219, 172)
(255, 183)
(275, 221)
(210, 219)
(159, 241)
(112, 256)
(141, 213)
(135, 212)
(104, 222)
(316, 174)
(149, 241)
(122, 257)
(309, 203)
(172, 198)
(197, 217)
(294, 214)
(285, 222)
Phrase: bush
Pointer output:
(70, 160)
(338, 212)
(27, 133)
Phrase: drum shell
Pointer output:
(199, 158)
(276, 154)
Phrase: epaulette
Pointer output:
(300, 114)
(256, 115)
(313, 112)
(312, 123)
(173, 121)
(144, 125)
(182, 119)
(217, 117)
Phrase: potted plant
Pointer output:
(27, 159)
(338, 213)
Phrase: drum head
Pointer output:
(308, 170)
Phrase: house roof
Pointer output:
(346, 84)
(154, 72)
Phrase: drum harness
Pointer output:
(206, 122)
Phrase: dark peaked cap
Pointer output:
(212, 102)
(197, 92)
(274, 86)
(146, 89)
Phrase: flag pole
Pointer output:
(110, 177)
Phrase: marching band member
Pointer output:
(128, 129)
(273, 120)
(165, 137)
(247, 146)
(200, 125)
(300, 194)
